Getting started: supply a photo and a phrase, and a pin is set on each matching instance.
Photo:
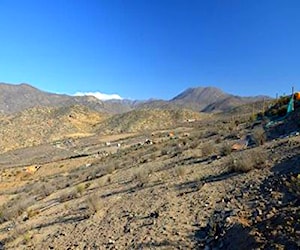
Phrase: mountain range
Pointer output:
(16, 98)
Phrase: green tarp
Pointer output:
(290, 107)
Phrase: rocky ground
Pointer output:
(179, 188)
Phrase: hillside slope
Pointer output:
(202, 99)
(147, 119)
(41, 124)
(16, 98)
(188, 192)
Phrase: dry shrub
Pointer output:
(66, 196)
(218, 140)
(247, 161)
(176, 150)
(207, 149)
(180, 171)
(260, 158)
(80, 188)
(102, 181)
(226, 149)
(94, 204)
(164, 152)
(43, 189)
(31, 213)
(259, 136)
(19, 230)
(16, 207)
(142, 176)
(194, 144)
(27, 237)
(110, 168)
(244, 164)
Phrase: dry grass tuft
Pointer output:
(94, 204)
(247, 161)
(180, 171)
(80, 188)
(142, 176)
(15, 208)
(226, 149)
(208, 149)
(68, 195)
(259, 136)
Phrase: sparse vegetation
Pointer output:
(94, 204)
(80, 188)
(111, 168)
(67, 195)
(259, 135)
(142, 176)
(226, 149)
(27, 237)
(180, 171)
(248, 160)
(207, 149)
(139, 186)
(15, 207)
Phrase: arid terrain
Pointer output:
(75, 178)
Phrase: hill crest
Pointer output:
(16, 98)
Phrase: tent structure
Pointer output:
(290, 108)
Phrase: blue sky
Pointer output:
(151, 48)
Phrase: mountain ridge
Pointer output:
(18, 97)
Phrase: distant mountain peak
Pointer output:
(199, 97)
(18, 97)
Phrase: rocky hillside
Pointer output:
(202, 99)
(41, 124)
(147, 120)
(15, 98)
(189, 192)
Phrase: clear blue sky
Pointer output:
(151, 48)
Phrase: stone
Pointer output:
(258, 219)
(259, 211)
(111, 242)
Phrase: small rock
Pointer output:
(111, 242)
(258, 219)
(228, 220)
(25, 218)
(270, 215)
(154, 215)
(259, 211)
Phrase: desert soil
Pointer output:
(171, 189)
